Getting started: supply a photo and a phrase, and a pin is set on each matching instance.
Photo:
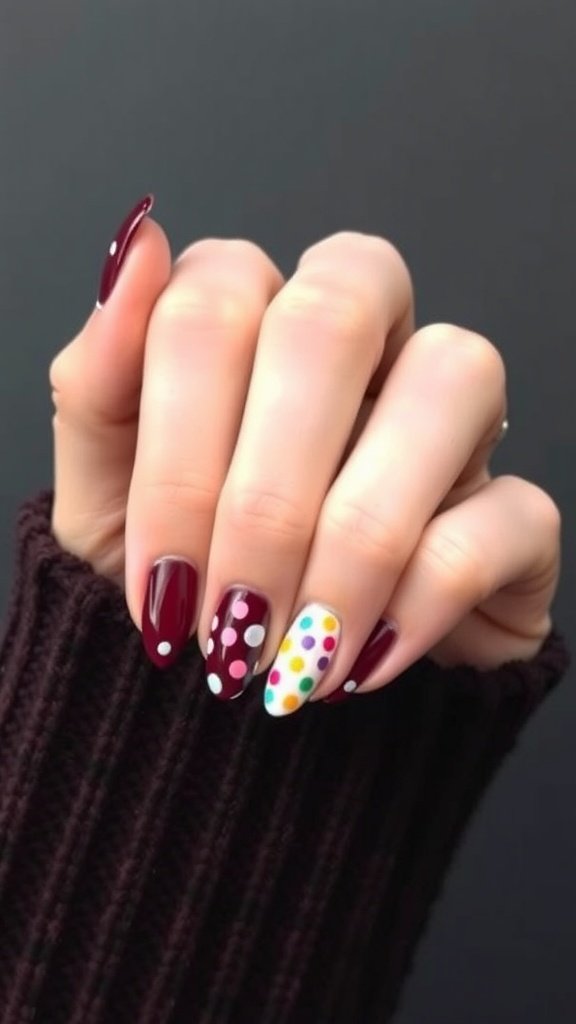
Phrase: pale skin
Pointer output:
(299, 436)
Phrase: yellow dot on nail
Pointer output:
(290, 702)
(329, 623)
(286, 644)
(296, 664)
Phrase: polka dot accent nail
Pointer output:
(302, 659)
(237, 636)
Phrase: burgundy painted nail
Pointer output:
(169, 609)
(236, 640)
(119, 248)
(377, 645)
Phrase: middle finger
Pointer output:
(321, 341)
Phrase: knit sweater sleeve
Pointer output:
(168, 858)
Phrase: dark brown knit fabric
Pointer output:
(166, 857)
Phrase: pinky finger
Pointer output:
(479, 586)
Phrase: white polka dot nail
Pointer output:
(302, 660)
(237, 636)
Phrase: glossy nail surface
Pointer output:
(302, 660)
(377, 645)
(169, 609)
(236, 640)
(119, 248)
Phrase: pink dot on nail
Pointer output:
(237, 669)
(274, 677)
(240, 609)
(329, 643)
(229, 636)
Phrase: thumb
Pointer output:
(96, 382)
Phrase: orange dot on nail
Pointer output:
(290, 702)
(329, 623)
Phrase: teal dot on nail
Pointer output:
(269, 696)
(306, 684)
(306, 622)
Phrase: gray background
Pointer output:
(446, 125)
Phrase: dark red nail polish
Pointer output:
(377, 645)
(236, 640)
(119, 247)
(169, 609)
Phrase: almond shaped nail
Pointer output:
(236, 640)
(119, 247)
(169, 609)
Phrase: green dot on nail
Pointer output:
(269, 696)
(306, 622)
(306, 684)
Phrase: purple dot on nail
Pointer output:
(323, 663)
(308, 642)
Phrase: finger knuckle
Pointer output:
(457, 563)
(203, 306)
(467, 354)
(213, 248)
(184, 492)
(375, 539)
(317, 303)
(545, 513)
(263, 510)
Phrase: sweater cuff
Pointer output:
(170, 856)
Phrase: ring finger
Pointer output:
(441, 402)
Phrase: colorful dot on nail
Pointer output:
(349, 686)
(308, 642)
(240, 609)
(164, 648)
(254, 635)
(229, 636)
(215, 622)
(286, 644)
(209, 645)
(296, 664)
(330, 623)
(306, 684)
(113, 248)
(215, 683)
(329, 643)
(305, 622)
(323, 663)
(237, 669)
(269, 696)
(290, 702)
(274, 677)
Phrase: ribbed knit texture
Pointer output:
(166, 857)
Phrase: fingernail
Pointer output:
(302, 660)
(236, 640)
(119, 248)
(169, 609)
(377, 645)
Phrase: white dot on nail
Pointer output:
(215, 683)
(350, 685)
(113, 248)
(215, 622)
(164, 648)
(254, 635)
(210, 646)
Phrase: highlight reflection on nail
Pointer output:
(303, 658)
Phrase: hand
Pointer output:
(219, 427)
